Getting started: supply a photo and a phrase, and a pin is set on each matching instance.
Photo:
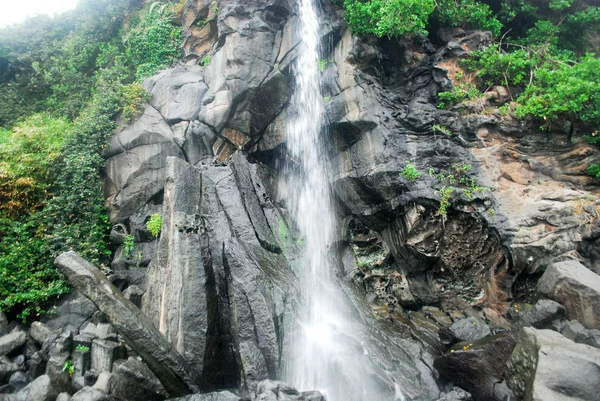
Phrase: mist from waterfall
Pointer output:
(326, 354)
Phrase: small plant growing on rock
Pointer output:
(441, 129)
(410, 172)
(81, 347)
(128, 245)
(154, 225)
(444, 193)
(69, 368)
(205, 62)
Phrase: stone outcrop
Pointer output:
(546, 366)
(577, 288)
(170, 367)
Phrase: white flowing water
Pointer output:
(326, 353)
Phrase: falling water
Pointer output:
(326, 354)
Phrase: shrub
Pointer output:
(410, 172)
(134, 97)
(205, 62)
(128, 245)
(154, 225)
(594, 170)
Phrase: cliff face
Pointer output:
(207, 153)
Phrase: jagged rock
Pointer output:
(105, 331)
(39, 332)
(132, 379)
(167, 364)
(4, 326)
(7, 369)
(89, 394)
(82, 362)
(541, 315)
(177, 93)
(479, 366)
(134, 294)
(577, 288)
(103, 382)
(575, 331)
(545, 366)
(18, 381)
(41, 389)
(70, 313)
(269, 390)
(37, 365)
(468, 329)
(12, 341)
(456, 394)
(216, 396)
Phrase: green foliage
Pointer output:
(441, 129)
(69, 368)
(563, 90)
(27, 153)
(497, 67)
(81, 347)
(27, 278)
(388, 17)
(594, 170)
(128, 245)
(458, 94)
(410, 172)
(457, 179)
(467, 14)
(153, 44)
(154, 225)
(205, 62)
(134, 96)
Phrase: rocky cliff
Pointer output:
(441, 280)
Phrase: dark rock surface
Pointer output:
(141, 335)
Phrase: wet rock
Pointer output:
(469, 329)
(134, 294)
(479, 366)
(546, 366)
(268, 390)
(41, 389)
(541, 315)
(456, 394)
(577, 288)
(63, 397)
(575, 331)
(12, 341)
(168, 365)
(216, 396)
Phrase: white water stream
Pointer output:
(325, 353)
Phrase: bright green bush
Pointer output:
(154, 225)
(467, 14)
(410, 172)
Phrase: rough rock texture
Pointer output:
(277, 391)
(166, 363)
(546, 366)
(12, 341)
(577, 288)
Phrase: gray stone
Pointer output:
(89, 394)
(103, 382)
(541, 315)
(134, 294)
(63, 397)
(170, 367)
(37, 365)
(132, 379)
(18, 380)
(456, 394)
(82, 362)
(12, 341)
(105, 353)
(467, 329)
(216, 396)
(575, 331)
(269, 390)
(546, 366)
(70, 313)
(39, 332)
(577, 288)
(41, 389)
(4, 326)
(105, 331)
(7, 369)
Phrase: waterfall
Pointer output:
(326, 354)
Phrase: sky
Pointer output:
(14, 11)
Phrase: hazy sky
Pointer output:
(13, 11)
